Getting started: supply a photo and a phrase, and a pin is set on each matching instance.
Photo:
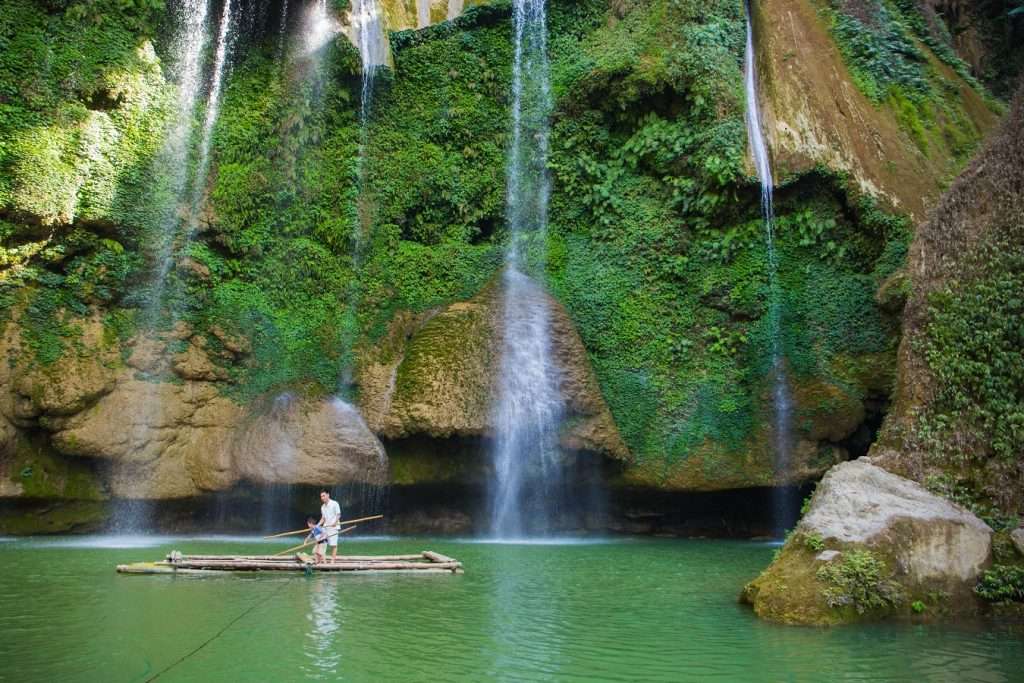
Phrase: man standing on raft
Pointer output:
(330, 521)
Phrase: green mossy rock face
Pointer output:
(31, 470)
(325, 250)
(436, 375)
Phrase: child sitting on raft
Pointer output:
(319, 534)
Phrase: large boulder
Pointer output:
(309, 442)
(436, 374)
(923, 545)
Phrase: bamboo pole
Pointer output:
(253, 565)
(314, 541)
(437, 557)
(306, 530)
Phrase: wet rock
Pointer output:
(1017, 537)
(314, 442)
(437, 375)
(195, 364)
(928, 544)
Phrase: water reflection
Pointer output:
(527, 628)
(323, 641)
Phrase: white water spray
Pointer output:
(321, 26)
(454, 8)
(527, 460)
(781, 400)
(224, 44)
(282, 29)
(422, 13)
(368, 27)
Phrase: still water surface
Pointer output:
(633, 610)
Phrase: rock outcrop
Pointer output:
(837, 126)
(928, 546)
(160, 426)
(436, 374)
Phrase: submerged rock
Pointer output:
(919, 542)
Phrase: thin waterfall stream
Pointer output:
(529, 407)
(781, 400)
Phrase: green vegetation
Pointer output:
(974, 341)
(859, 580)
(1002, 584)
(656, 246)
(814, 543)
(895, 56)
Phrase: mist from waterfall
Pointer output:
(527, 482)
(781, 400)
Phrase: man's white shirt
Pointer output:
(331, 512)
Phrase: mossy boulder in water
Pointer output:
(897, 543)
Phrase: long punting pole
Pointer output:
(310, 543)
(306, 530)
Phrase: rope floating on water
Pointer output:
(216, 635)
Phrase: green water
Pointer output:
(633, 610)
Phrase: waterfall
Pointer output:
(189, 46)
(224, 37)
(282, 29)
(277, 497)
(527, 461)
(321, 26)
(454, 9)
(422, 13)
(372, 44)
(781, 401)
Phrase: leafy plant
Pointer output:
(1002, 584)
(859, 580)
(814, 542)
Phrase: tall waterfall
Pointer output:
(189, 46)
(224, 40)
(781, 401)
(527, 461)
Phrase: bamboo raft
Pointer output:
(426, 562)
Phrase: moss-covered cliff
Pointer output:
(316, 238)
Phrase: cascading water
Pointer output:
(190, 45)
(282, 29)
(321, 27)
(454, 9)
(422, 13)
(527, 461)
(781, 401)
(224, 44)
(372, 44)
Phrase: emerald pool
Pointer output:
(618, 610)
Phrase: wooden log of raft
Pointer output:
(437, 557)
(292, 565)
(290, 558)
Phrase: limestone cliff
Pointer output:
(435, 374)
(951, 429)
